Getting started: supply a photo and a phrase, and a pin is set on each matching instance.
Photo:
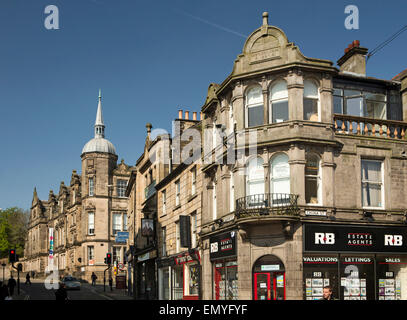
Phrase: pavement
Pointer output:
(37, 291)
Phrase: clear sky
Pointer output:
(150, 58)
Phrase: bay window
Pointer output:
(310, 101)
(279, 102)
(312, 179)
(280, 178)
(254, 107)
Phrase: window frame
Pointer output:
(318, 178)
(91, 187)
(277, 100)
(89, 214)
(177, 192)
(382, 186)
(253, 105)
(316, 98)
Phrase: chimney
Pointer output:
(180, 114)
(194, 115)
(354, 59)
(186, 115)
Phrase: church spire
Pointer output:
(99, 125)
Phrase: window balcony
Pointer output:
(150, 190)
(369, 127)
(268, 204)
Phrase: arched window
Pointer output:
(313, 179)
(280, 178)
(310, 101)
(254, 107)
(255, 182)
(279, 102)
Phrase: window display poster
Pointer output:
(317, 282)
(308, 283)
(280, 281)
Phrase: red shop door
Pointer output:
(269, 286)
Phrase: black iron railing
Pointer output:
(267, 204)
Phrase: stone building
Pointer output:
(152, 175)
(320, 199)
(179, 205)
(84, 216)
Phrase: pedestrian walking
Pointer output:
(33, 274)
(94, 277)
(3, 291)
(61, 294)
(27, 278)
(111, 283)
(11, 285)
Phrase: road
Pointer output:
(37, 291)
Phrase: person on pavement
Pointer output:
(94, 277)
(327, 293)
(61, 294)
(27, 278)
(11, 285)
(111, 283)
(3, 291)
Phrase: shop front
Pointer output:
(357, 262)
(179, 276)
(146, 276)
(223, 256)
(269, 279)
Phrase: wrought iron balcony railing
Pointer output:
(267, 204)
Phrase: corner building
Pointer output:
(321, 200)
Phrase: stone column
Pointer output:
(328, 178)
(326, 104)
(297, 171)
(295, 87)
(238, 106)
(244, 266)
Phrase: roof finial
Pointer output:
(265, 18)
(99, 124)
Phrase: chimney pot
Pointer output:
(194, 115)
(186, 115)
(346, 50)
(180, 114)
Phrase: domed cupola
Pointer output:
(99, 143)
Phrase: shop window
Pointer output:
(319, 272)
(226, 280)
(280, 179)
(391, 277)
(255, 182)
(191, 277)
(310, 101)
(254, 107)
(165, 283)
(372, 183)
(279, 102)
(312, 179)
(357, 278)
(177, 280)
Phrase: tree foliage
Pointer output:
(13, 230)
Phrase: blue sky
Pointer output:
(150, 58)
